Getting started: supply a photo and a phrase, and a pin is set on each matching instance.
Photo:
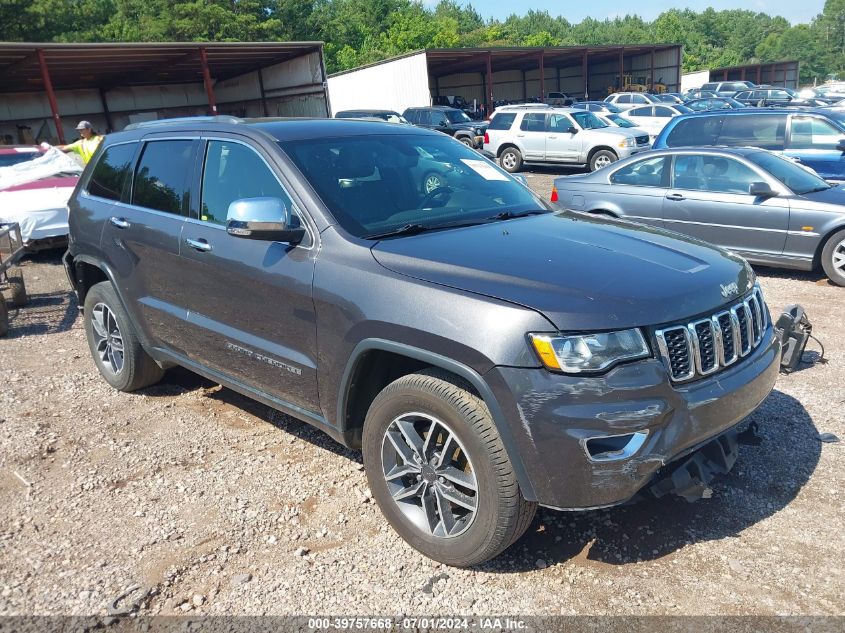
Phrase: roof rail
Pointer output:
(220, 118)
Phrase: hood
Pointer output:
(615, 131)
(834, 196)
(581, 272)
(473, 125)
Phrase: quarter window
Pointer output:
(644, 173)
(162, 177)
(110, 173)
(502, 121)
(233, 172)
(712, 173)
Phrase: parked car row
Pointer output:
(448, 120)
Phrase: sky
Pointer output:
(796, 11)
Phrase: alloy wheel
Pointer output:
(602, 161)
(107, 338)
(509, 161)
(429, 475)
(838, 257)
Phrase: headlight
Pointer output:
(584, 353)
(628, 142)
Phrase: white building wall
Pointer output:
(395, 85)
(691, 81)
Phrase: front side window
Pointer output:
(560, 122)
(588, 121)
(162, 176)
(766, 131)
(645, 173)
(533, 122)
(372, 184)
(233, 172)
(458, 116)
(638, 99)
(109, 175)
(814, 133)
(413, 116)
(624, 99)
(715, 174)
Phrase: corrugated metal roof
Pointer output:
(108, 65)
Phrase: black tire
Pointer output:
(466, 140)
(4, 317)
(833, 258)
(136, 369)
(511, 160)
(501, 513)
(15, 277)
(600, 159)
(428, 182)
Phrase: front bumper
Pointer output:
(552, 416)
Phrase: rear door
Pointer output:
(639, 189)
(249, 302)
(709, 199)
(141, 236)
(644, 118)
(532, 135)
(813, 141)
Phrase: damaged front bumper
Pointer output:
(597, 441)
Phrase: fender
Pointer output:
(465, 372)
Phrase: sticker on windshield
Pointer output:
(484, 169)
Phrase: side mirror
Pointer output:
(841, 146)
(761, 190)
(572, 130)
(262, 219)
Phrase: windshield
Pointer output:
(651, 97)
(837, 115)
(588, 120)
(7, 160)
(457, 116)
(377, 184)
(620, 120)
(798, 179)
(612, 107)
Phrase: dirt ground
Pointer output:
(210, 503)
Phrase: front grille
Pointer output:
(642, 140)
(702, 347)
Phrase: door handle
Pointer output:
(675, 197)
(200, 245)
(551, 137)
(520, 136)
(120, 223)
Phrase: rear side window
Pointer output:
(694, 131)
(502, 121)
(110, 173)
(533, 122)
(161, 178)
(651, 172)
(755, 130)
(233, 172)
(624, 99)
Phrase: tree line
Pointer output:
(358, 32)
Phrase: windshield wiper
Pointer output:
(816, 189)
(510, 215)
(408, 229)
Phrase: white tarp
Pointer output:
(41, 211)
(52, 163)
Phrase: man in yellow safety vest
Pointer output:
(85, 146)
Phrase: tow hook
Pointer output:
(691, 477)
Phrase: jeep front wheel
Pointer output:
(439, 472)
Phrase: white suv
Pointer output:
(557, 135)
(628, 100)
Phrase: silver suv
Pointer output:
(557, 135)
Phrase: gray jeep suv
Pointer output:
(486, 353)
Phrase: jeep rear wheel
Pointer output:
(511, 160)
(439, 472)
(114, 345)
(833, 258)
(466, 140)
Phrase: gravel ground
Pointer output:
(211, 503)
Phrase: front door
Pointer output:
(813, 141)
(709, 200)
(249, 301)
(561, 144)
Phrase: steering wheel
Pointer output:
(434, 194)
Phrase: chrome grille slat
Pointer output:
(705, 346)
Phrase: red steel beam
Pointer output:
(51, 96)
(206, 78)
